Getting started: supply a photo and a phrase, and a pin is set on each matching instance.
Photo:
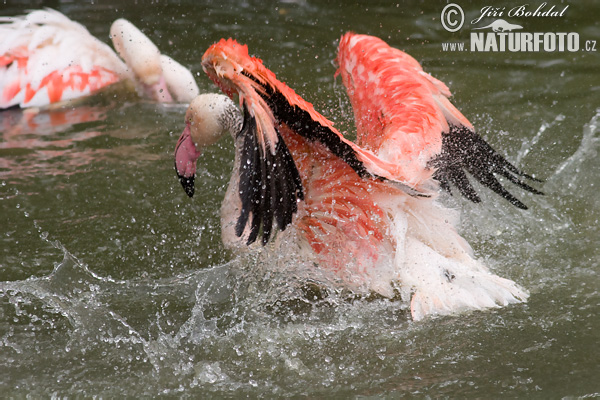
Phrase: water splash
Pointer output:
(571, 170)
(529, 145)
(73, 292)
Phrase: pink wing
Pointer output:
(403, 115)
(400, 111)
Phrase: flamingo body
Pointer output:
(47, 58)
(36, 61)
(363, 212)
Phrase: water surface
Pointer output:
(114, 283)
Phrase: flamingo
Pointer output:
(366, 213)
(46, 58)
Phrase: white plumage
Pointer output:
(45, 58)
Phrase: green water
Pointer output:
(114, 284)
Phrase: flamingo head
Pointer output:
(208, 118)
(160, 77)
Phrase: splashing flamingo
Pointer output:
(47, 58)
(364, 212)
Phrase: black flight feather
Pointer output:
(269, 186)
(300, 121)
(464, 150)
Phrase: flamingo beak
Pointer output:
(186, 156)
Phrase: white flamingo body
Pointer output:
(363, 214)
(364, 236)
(47, 58)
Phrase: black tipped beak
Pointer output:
(186, 182)
(188, 185)
(186, 156)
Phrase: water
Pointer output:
(114, 283)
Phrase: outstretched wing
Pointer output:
(403, 115)
(269, 103)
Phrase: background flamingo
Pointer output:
(365, 212)
(47, 58)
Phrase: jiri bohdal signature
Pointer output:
(523, 11)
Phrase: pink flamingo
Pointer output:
(47, 58)
(364, 212)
